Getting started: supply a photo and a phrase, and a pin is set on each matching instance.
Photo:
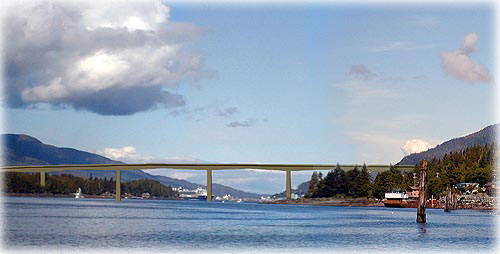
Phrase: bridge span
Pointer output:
(288, 168)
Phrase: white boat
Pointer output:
(78, 194)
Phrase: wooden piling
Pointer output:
(447, 200)
(453, 201)
(421, 217)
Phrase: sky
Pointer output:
(319, 83)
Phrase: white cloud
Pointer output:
(126, 154)
(459, 64)
(109, 57)
(415, 146)
(181, 175)
(132, 15)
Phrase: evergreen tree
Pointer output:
(313, 185)
(365, 182)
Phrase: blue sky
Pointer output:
(250, 83)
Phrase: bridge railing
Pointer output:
(288, 168)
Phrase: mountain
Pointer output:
(301, 190)
(22, 149)
(481, 137)
(26, 150)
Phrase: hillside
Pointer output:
(26, 150)
(301, 190)
(482, 137)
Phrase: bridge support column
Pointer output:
(209, 185)
(118, 186)
(42, 179)
(288, 184)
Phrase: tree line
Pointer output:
(66, 184)
(474, 164)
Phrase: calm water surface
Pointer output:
(39, 223)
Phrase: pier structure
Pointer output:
(421, 215)
(209, 168)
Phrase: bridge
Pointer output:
(288, 168)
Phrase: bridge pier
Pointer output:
(209, 185)
(42, 179)
(118, 186)
(288, 184)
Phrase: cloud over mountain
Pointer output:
(415, 146)
(111, 58)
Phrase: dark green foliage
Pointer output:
(67, 184)
(353, 183)
(154, 188)
(364, 182)
(22, 183)
(386, 181)
(475, 164)
(313, 185)
(333, 184)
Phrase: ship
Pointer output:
(198, 194)
(395, 198)
(408, 199)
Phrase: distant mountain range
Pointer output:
(482, 137)
(26, 150)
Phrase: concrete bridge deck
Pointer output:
(288, 168)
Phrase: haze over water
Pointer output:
(39, 224)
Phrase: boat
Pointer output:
(399, 199)
(198, 194)
(78, 194)
(408, 199)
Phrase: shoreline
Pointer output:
(354, 203)
(330, 202)
(312, 202)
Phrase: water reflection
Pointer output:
(422, 229)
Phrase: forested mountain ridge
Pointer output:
(26, 150)
(485, 136)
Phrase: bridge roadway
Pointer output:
(288, 168)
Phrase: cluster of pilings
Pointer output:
(450, 201)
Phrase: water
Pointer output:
(79, 224)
